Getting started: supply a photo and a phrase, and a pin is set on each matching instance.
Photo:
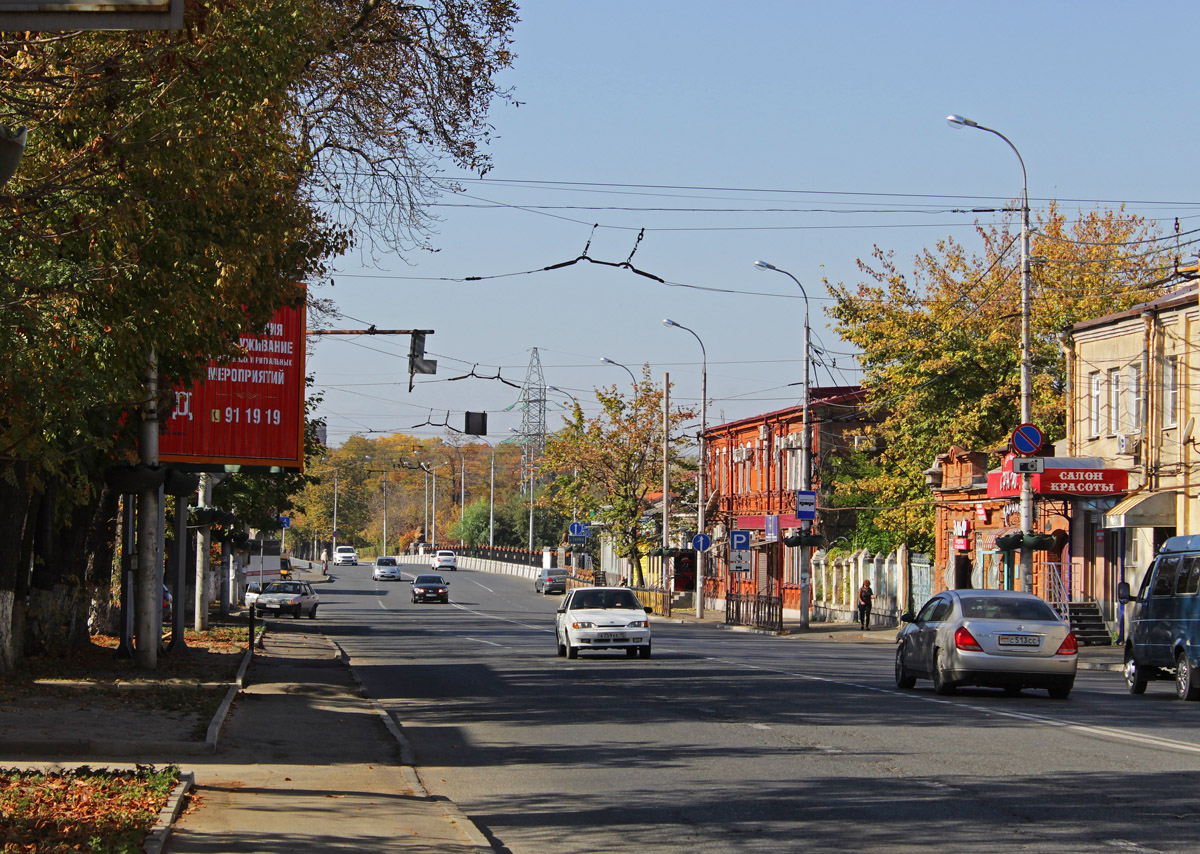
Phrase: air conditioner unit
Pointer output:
(739, 455)
(1127, 444)
(763, 432)
(866, 443)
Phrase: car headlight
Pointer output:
(582, 624)
(639, 624)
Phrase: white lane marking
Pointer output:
(1085, 729)
(481, 640)
(501, 619)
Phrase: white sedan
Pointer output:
(602, 618)
(287, 597)
(444, 560)
(387, 569)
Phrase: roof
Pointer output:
(1187, 295)
(818, 396)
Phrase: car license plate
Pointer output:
(1020, 640)
(610, 636)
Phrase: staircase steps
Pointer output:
(1088, 624)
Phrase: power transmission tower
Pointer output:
(533, 420)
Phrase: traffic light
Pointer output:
(476, 424)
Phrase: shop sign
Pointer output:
(1059, 478)
(962, 530)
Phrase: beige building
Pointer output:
(1131, 380)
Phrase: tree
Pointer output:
(941, 351)
(605, 466)
(175, 190)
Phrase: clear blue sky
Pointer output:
(801, 133)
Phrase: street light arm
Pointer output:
(961, 121)
(763, 265)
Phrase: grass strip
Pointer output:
(94, 810)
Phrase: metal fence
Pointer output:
(754, 609)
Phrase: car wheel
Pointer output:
(562, 647)
(1135, 678)
(572, 651)
(941, 679)
(296, 613)
(644, 651)
(1186, 687)
(1061, 689)
(631, 652)
(904, 679)
(312, 615)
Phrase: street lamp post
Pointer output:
(956, 121)
(609, 361)
(700, 486)
(805, 452)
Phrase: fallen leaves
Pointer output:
(87, 809)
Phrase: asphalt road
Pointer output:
(729, 741)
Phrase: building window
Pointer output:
(1133, 398)
(1171, 391)
(1095, 402)
(1114, 401)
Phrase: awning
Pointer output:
(1144, 510)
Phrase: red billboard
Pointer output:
(249, 411)
(1076, 477)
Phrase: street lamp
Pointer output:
(805, 450)
(335, 505)
(609, 361)
(703, 462)
(430, 471)
(1026, 364)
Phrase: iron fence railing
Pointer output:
(753, 609)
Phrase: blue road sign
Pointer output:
(1027, 439)
(579, 529)
(739, 540)
(806, 504)
(285, 521)
(702, 542)
(577, 539)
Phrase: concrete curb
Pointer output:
(167, 816)
(454, 815)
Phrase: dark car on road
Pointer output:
(1164, 621)
(550, 581)
(430, 588)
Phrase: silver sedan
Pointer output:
(994, 638)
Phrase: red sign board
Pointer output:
(249, 411)
(1060, 477)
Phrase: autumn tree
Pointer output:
(175, 188)
(941, 347)
(606, 465)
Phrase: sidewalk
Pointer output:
(308, 763)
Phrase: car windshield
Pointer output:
(282, 587)
(1007, 608)
(605, 599)
(386, 561)
(429, 579)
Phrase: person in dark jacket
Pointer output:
(865, 595)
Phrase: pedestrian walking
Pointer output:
(865, 595)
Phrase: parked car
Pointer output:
(602, 618)
(288, 597)
(430, 588)
(550, 581)
(345, 556)
(387, 569)
(994, 638)
(252, 591)
(1164, 621)
(444, 560)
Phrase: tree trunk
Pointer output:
(14, 497)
